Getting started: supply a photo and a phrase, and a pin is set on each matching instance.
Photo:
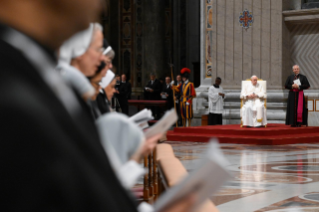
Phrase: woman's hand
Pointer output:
(147, 148)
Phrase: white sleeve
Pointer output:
(262, 93)
(213, 95)
(145, 207)
(222, 91)
(129, 174)
(243, 93)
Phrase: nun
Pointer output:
(103, 99)
(96, 83)
(125, 150)
(84, 50)
(78, 61)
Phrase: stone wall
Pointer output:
(267, 49)
(239, 53)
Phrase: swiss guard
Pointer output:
(187, 93)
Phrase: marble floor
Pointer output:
(265, 178)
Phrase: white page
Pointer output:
(143, 125)
(164, 96)
(162, 125)
(297, 82)
(142, 116)
(204, 181)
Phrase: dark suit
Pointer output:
(155, 95)
(168, 90)
(178, 109)
(156, 86)
(293, 100)
(51, 156)
(125, 91)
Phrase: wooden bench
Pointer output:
(151, 183)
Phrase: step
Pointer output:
(259, 140)
(248, 132)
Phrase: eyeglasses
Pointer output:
(98, 50)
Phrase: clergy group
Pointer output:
(253, 111)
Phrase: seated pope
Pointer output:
(253, 112)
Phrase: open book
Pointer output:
(162, 125)
(203, 182)
(142, 118)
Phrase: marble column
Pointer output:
(154, 32)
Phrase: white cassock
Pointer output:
(216, 102)
(253, 112)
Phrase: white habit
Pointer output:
(253, 112)
(216, 102)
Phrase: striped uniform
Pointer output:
(188, 92)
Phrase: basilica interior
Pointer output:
(214, 39)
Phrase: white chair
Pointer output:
(245, 83)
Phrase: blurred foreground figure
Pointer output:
(50, 150)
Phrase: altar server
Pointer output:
(216, 97)
(253, 111)
(297, 113)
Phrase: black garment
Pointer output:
(125, 91)
(155, 95)
(293, 98)
(95, 111)
(51, 159)
(115, 102)
(215, 119)
(167, 89)
(178, 109)
(156, 86)
(102, 102)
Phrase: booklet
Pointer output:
(297, 82)
(142, 118)
(162, 125)
(163, 95)
(203, 182)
